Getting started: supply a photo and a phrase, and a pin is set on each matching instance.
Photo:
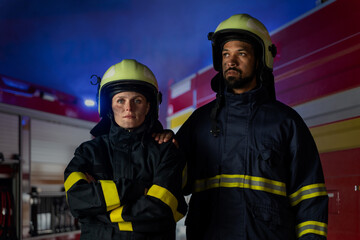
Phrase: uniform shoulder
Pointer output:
(161, 146)
(281, 107)
(203, 111)
(95, 143)
(206, 106)
(282, 111)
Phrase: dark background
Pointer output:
(60, 44)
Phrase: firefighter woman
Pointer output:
(122, 184)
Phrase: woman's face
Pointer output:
(130, 109)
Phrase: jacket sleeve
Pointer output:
(306, 190)
(99, 196)
(163, 205)
(187, 145)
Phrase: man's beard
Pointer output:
(238, 82)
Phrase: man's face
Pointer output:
(130, 109)
(238, 64)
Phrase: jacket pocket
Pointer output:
(272, 156)
(272, 163)
(266, 214)
(268, 222)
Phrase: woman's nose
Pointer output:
(128, 106)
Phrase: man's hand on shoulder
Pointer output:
(165, 136)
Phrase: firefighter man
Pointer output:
(253, 168)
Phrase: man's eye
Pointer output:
(121, 101)
(225, 54)
(137, 101)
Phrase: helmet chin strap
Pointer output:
(217, 84)
(265, 77)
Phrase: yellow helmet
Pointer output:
(245, 28)
(128, 75)
(242, 27)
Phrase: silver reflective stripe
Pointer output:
(241, 181)
(313, 227)
(306, 192)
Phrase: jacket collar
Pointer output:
(253, 97)
(117, 132)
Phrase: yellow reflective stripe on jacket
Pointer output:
(241, 181)
(306, 192)
(314, 227)
(116, 216)
(167, 197)
(126, 226)
(73, 178)
(111, 195)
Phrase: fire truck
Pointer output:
(39, 131)
(317, 72)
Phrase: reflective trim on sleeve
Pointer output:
(116, 216)
(314, 227)
(241, 181)
(73, 178)
(126, 226)
(306, 192)
(166, 197)
(111, 195)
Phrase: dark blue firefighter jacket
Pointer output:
(260, 179)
